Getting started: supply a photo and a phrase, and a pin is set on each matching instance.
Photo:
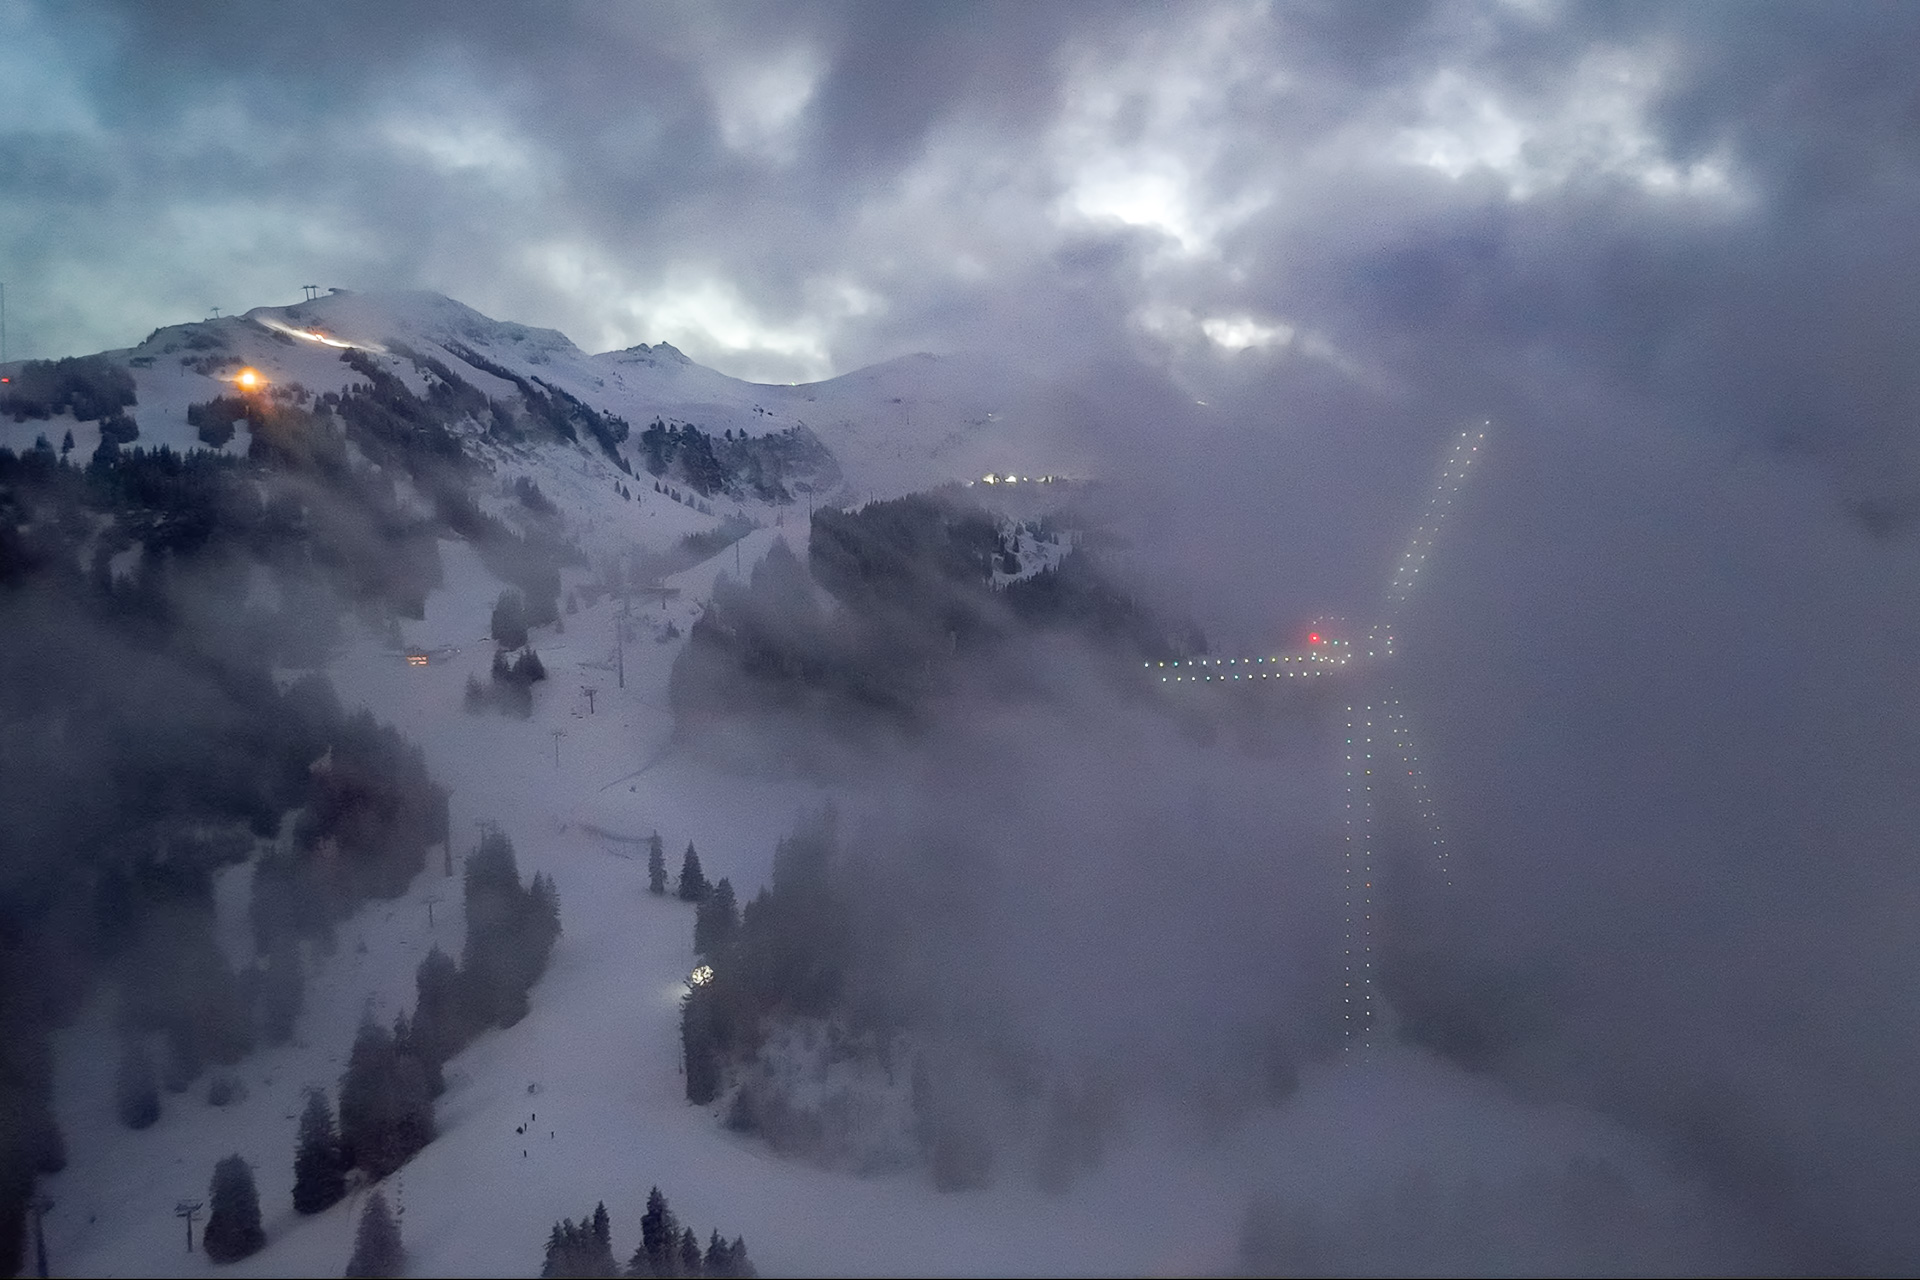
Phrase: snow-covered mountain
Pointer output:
(905, 425)
(422, 420)
(583, 1100)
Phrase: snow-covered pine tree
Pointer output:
(233, 1217)
(656, 866)
(689, 1253)
(693, 884)
(319, 1173)
(377, 1250)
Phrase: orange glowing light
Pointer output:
(249, 379)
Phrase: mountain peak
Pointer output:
(410, 315)
(640, 353)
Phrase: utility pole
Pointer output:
(39, 1206)
(620, 648)
(312, 291)
(589, 690)
(431, 899)
(216, 313)
(188, 1209)
(557, 735)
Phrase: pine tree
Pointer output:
(699, 1046)
(510, 619)
(136, 1092)
(738, 1265)
(319, 1173)
(719, 1259)
(510, 934)
(656, 866)
(559, 1241)
(689, 1253)
(603, 1241)
(693, 885)
(377, 1250)
(439, 1021)
(233, 1220)
(659, 1240)
(713, 924)
(581, 1251)
(407, 1047)
(386, 1108)
(543, 922)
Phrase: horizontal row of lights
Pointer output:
(1326, 660)
(1251, 675)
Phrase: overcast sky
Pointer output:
(1702, 215)
(1672, 250)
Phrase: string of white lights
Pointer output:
(1402, 736)
(1453, 474)
(1357, 873)
(1376, 732)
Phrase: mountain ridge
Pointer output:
(903, 425)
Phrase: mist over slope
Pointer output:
(1660, 685)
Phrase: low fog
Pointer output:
(1245, 278)
(1660, 691)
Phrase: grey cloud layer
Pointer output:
(792, 192)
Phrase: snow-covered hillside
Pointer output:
(583, 1101)
(902, 426)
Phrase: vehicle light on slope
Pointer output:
(249, 379)
(701, 976)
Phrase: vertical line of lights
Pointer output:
(1422, 791)
(1357, 867)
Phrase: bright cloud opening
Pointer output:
(1238, 333)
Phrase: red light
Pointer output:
(1313, 637)
(6, 379)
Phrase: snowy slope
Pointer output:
(593, 1072)
(898, 427)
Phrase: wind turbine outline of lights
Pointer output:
(1330, 651)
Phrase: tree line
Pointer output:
(896, 603)
(667, 1250)
(393, 1074)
